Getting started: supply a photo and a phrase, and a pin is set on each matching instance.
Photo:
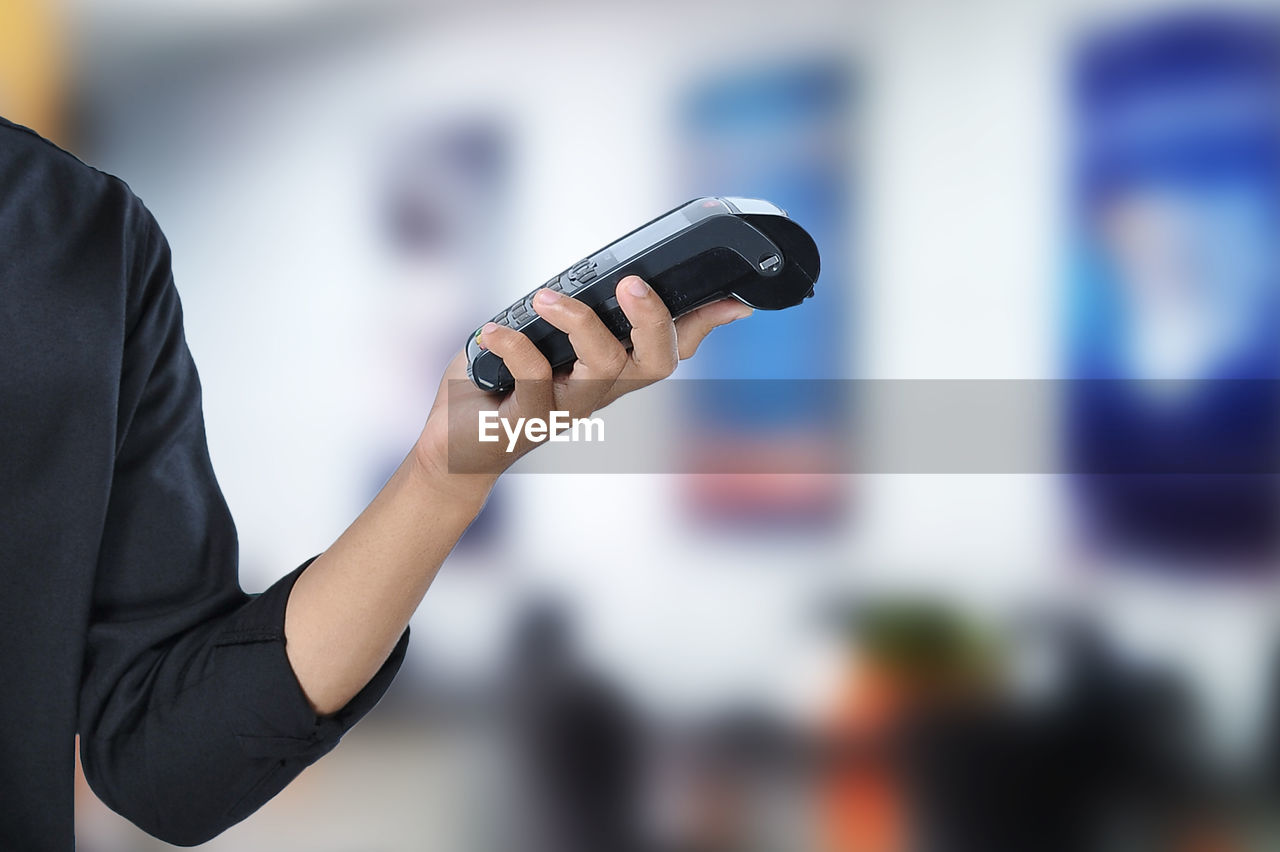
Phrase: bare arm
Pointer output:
(350, 606)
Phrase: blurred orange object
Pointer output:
(906, 657)
(861, 803)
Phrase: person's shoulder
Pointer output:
(60, 215)
(52, 173)
(25, 147)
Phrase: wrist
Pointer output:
(428, 469)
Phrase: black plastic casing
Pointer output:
(739, 248)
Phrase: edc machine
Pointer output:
(708, 249)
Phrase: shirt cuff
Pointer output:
(264, 706)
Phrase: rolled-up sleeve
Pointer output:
(190, 714)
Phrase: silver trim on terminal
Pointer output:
(754, 205)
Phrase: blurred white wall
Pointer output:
(256, 132)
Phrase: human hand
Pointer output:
(605, 370)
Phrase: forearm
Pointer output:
(350, 606)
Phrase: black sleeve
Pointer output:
(190, 714)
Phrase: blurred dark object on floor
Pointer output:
(933, 749)
(1109, 763)
(579, 745)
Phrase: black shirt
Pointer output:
(121, 617)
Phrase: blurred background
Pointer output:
(1076, 200)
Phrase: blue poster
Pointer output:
(1173, 334)
(782, 134)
